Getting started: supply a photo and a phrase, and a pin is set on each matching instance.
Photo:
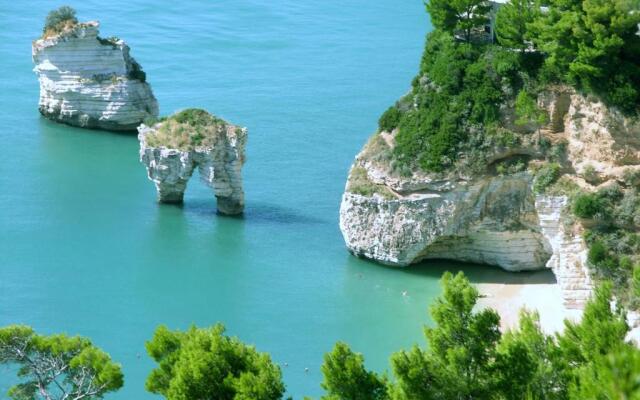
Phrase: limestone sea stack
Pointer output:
(493, 215)
(174, 147)
(91, 82)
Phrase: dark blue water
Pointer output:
(84, 248)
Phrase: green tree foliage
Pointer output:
(58, 19)
(57, 367)
(603, 366)
(525, 363)
(512, 22)
(598, 254)
(468, 94)
(461, 348)
(615, 375)
(458, 15)
(469, 359)
(600, 332)
(345, 377)
(205, 364)
(594, 45)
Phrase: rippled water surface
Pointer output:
(85, 249)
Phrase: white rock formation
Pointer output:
(91, 82)
(489, 219)
(220, 167)
(569, 252)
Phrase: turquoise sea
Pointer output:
(85, 249)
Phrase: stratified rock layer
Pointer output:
(489, 219)
(569, 252)
(91, 82)
(219, 165)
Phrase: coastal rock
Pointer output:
(489, 218)
(219, 164)
(91, 82)
(491, 221)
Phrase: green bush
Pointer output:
(511, 166)
(632, 178)
(591, 175)
(58, 19)
(586, 205)
(597, 253)
(389, 120)
(546, 176)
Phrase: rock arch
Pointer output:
(219, 165)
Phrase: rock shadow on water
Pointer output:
(479, 274)
(260, 213)
(264, 213)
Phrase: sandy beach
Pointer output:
(530, 290)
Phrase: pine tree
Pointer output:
(512, 20)
(458, 15)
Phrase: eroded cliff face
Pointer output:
(219, 165)
(91, 82)
(489, 218)
(492, 221)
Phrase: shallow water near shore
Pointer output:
(84, 248)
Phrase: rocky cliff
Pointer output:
(491, 216)
(217, 150)
(91, 82)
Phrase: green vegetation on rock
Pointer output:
(457, 98)
(612, 215)
(59, 20)
(359, 183)
(465, 77)
(546, 176)
(186, 130)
